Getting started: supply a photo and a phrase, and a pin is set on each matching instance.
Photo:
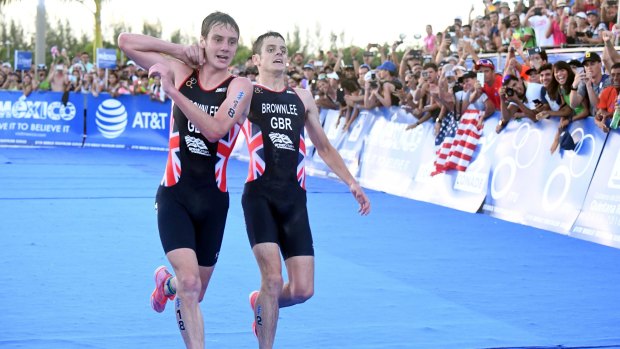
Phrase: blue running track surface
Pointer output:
(79, 245)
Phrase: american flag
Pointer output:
(456, 152)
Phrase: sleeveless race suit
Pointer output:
(192, 199)
(274, 196)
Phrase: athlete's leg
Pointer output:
(266, 310)
(205, 277)
(300, 285)
(189, 289)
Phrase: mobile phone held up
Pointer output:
(480, 78)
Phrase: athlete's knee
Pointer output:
(272, 284)
(189, 286)
(301, 294)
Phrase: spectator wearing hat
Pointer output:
(538, 18)
(594, 29)
(492, 80)
(559, 23)
(327, 95)
(6, 68)
(504, 10)
(608, 101)
(589, 82)
(309, 80)
(577, 28)
(384, 93)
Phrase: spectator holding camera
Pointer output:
(608, 100)
(427, 107)
(383, 94)
(589, 82)
(492, 80)
(538, 18)
(559, 23)
(514, 103)
(594, 29)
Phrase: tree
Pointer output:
(152, 29)
(40, 34)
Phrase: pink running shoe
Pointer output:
(253, 298)
(158, 297)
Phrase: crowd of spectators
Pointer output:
(80, 75)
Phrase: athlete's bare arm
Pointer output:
(233, 110)
(146, 51)
(328, 153)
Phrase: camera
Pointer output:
(373, 80)
(424, 74)
(612, 2)
(538, 11)
(369, 54)
(510, 92)
(457, 88)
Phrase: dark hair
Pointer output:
(430, 65)
(258, 44)
(349, 85)
(546, 66)
(554, 86)
(615, 66)
(216, 18)
(509, 78)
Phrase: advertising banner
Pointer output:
(135, 122)
(392, 155)
(599, 220)
(41, 118)
(531, 186)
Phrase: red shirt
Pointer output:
(492, 91)
(607, 99)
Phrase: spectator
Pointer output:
(589, 82)
(427, 107)
(430, 40)
(157, 93)
(594, 29)
(523, 35)
(492, 80)
(514, 103)
(13, 82)
(385, 92)
(309, 80)
(28, 85)
(608, 100)
(559, 24)
(327, 96)
(609, 13)
(539, 18)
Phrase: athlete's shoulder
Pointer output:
(303, 94)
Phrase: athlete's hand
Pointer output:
(194, 55)
(166, 75)
(359, 195)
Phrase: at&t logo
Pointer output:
(111, 118)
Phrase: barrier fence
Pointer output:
(512, 175)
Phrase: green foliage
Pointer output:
(152, 29)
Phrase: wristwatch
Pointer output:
(573, 88)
